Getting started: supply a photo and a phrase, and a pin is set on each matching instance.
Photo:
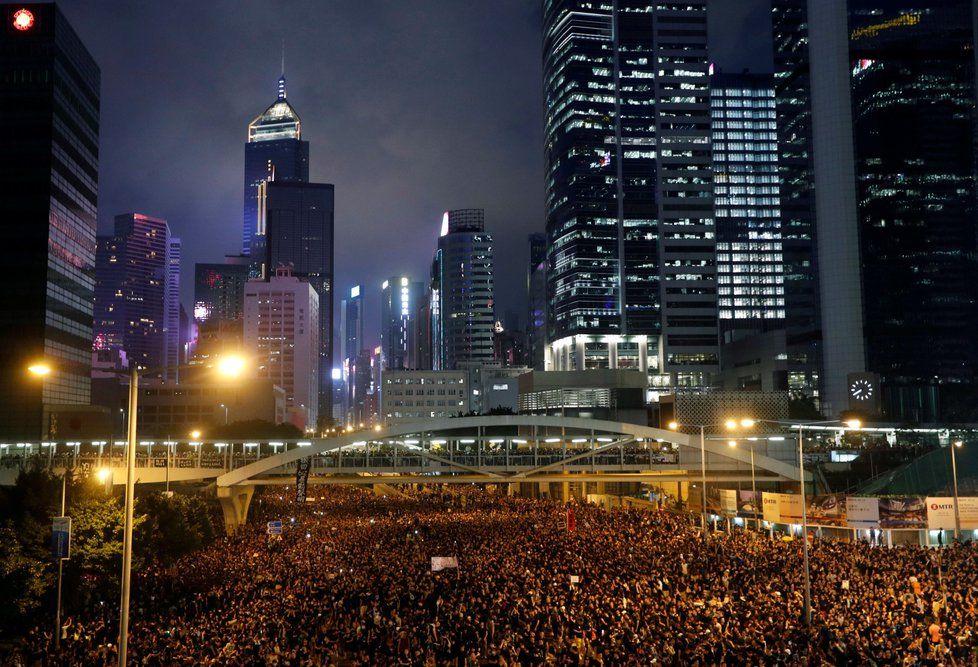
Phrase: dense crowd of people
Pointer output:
(350, 582)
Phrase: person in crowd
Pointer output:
(349, 582)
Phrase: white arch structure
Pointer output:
(591, 437)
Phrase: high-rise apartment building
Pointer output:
(399, 300)
(275, 151)
(49, 136)
(137, 294)
(630, 229)
(893, 99)
(281, 332)
(462, 284)
(295, 230)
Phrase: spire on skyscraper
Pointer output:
(281, 79)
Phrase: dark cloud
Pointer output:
(410, 107)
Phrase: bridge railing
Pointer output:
(361, 458)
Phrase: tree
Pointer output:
(175, 526)
(24, 580)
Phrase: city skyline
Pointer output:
(369, 132)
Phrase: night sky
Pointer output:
(411, 107)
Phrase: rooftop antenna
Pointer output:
(281, 80)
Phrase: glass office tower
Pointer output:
(631, 276)
(275, 152)
(914, 126)
(399, 301)
(876, 110)
(136, 292)
(796, 178)
(49, 134)
(296, 231)
(462, 284)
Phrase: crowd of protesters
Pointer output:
(349, 582)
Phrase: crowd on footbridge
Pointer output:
(350, 582)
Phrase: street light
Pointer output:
(854, 424)
(753, 482)
(954, 476)
(229, 366)
(40, 369)
(195, 434)
(732, 425)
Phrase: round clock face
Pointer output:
(861, 390)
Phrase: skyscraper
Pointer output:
(295, 230)
(49, 103)
(894, 126)
(462, 283)
(136, 293)
(398, 307)
(171, 307)
(281, 331)
(219, 289)
(750, 255)
(796, 181)
(351, 328)
(275, 151)
(536, 301)
(631, 275)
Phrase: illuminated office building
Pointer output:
(462, 285)
(631, 238)
(399, 302)
(275, 151)
(49, 106)
(893, 131)
(137, 289)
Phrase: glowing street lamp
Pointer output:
(228, 366)
(39, 369)
(732, 425)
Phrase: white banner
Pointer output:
(728, 502)
(862, 512)
(439, 563)
(772, 506)
(790, 508)
(940, 512)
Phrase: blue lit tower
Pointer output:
(274, 152)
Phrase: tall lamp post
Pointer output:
(41, 370)
(753, 483)
(852, 424)
(731, 424)
(954, 475)
(228, 366)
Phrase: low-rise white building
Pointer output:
(409, 396)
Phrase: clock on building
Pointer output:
(864, 392)
(861, 390)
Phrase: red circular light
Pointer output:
(23, 19)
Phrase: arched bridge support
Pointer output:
(235, 501)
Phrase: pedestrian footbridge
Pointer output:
(506, 449)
